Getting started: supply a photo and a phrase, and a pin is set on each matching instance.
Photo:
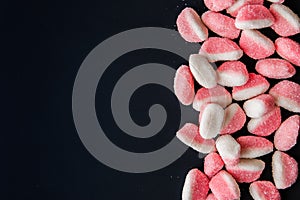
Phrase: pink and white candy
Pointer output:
(213, 163)
(234, 9)
(259, 106)
(232, 73)
(253, 146)
(220, 49)
(229, 149)
(288, 49)
(234, 119)
(190, 26)
(264, 190)
(218, 5)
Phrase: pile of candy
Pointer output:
(232, 160)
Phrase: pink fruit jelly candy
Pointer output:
(196, 186)
(211, 119)
(229, 149)
(190, 26)
(213, 163)
(220, 49)
(256, 45)
(265, 125)
(220, 24)
(264, 190)
(233, 10)
(218, 95)
(284, 169)
(288, 49)
(224, 187)
(256, 85)
(218, 5)
(232, 73)
(203, 71)
(275, 68)
(254, 17)
(286, 135)
(211, 196)
(253, 146)
(189, 135)
(287, 23)
(247, 170)
(184, 85)
(259, 106)
(234, 119)
(286, 94)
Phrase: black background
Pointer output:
(43, 46)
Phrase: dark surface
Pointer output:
(44, 44)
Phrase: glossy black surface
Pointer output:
(46, 42)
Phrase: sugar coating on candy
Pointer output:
(220, 49)
(229, 149)
(233, 10)
(287, 96)
(287, 23)
(196, 186)
(190, 26)
(189, 135)
(254, 17)
(286, 135)
(218, 5)
(220, 24)
(276, 1)
(253, 146)
(256, 45)
(265, 125)
(259, 106)
(284, 170)
(232, 73)
(218, 95)
(184, 85)
(211, 119)
(203, 71)
(275, 68)
(247, 170)
(224, 187)
(264, 190)
(211, 196)
(234, 119)
(288, 49)
(256, 85)
(213, 163)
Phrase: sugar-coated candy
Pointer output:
(220, 49)
(275, 68)
(256, 45)
(189, 135)
(247, 170)
(229, 149)
(218, 5)
(196, 186)
(259, 106)
(184, 85)
(287, 23)
(254, 146)
(211, 196)
(203, 71)
(218, 95)
(256, 85)
(191, 27)
(224, 187)
(220, 24)
(254, 17)
(234, 119)
(284, 170)
(286, 135)
(234, 9)
(264, 190)
(232, 73)
(288, 49)
(286, 94)
(276, 1)
(213, 163)
(265, 125)
(211, 119)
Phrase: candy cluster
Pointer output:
(231, 160)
